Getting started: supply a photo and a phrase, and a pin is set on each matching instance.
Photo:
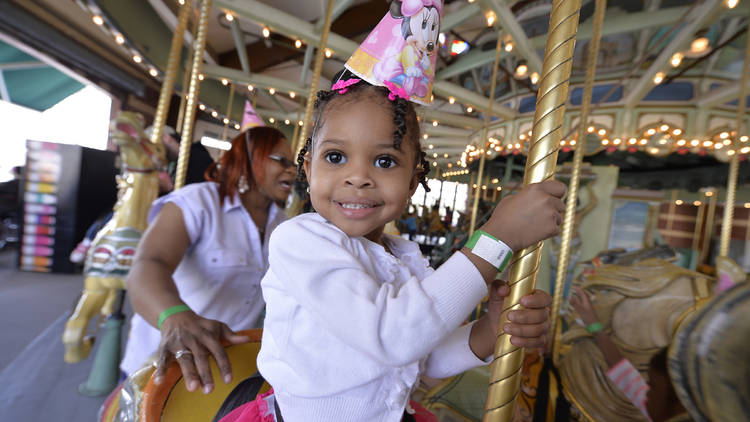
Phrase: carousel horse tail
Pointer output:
(550, 390)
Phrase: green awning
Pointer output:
(29, 82)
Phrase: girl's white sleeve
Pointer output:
(453, 356)
(317, 265)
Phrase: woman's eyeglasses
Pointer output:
(285, 162)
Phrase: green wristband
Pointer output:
(594, 327)
(171, 311)
(491, 249)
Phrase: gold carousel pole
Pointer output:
(187, 124)
(170, 73)
(540, 166)
(186, 76)
(317, 70)
(570, 209)
(734, 160)
(485, 130)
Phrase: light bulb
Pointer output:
(522, 70)
(266, 32)
(699, 45)
(676, 59)
(98, 20)
(491, 18)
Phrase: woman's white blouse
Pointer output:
(349, 326)
(219, 276)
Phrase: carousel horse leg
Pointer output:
(77, 346)
(105, 372)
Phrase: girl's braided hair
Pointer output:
(404, 118)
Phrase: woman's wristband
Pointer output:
(171, 311)
(594, 327)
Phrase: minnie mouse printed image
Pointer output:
(410, 66)
(401, 51)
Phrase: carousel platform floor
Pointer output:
(35, 383)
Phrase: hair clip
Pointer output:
(396, 91)
(343, 86)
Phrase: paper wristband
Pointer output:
(491, 249)
(171, 311)
(594, 327)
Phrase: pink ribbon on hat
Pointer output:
(396, 91)
(343, 86)
(412, 7)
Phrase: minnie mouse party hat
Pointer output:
(401, 52)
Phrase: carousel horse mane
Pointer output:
(640, 304)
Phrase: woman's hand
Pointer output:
(528, 327)
(195, 339)
(581, 302)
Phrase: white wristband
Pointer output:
(491, 249)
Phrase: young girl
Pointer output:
(355, 316)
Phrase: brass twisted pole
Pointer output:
(734, 160)
(187, 124)
(317, 70)
(170, 73)
(570, 207)
(485, 130)
(540, 166)
(186, 75)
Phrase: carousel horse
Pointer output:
(138, 398)
(110, 255)
(640, 299)
(708, 361)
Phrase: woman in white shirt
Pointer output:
(196, 274)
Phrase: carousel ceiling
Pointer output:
(661, 62)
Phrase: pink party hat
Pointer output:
(401, 52)
(250, 118)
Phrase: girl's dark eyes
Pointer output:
(335, 158)
(385, 162)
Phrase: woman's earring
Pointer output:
(242, 185)
(308, 190)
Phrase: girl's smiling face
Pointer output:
(358, 180)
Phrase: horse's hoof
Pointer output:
(76, 352)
